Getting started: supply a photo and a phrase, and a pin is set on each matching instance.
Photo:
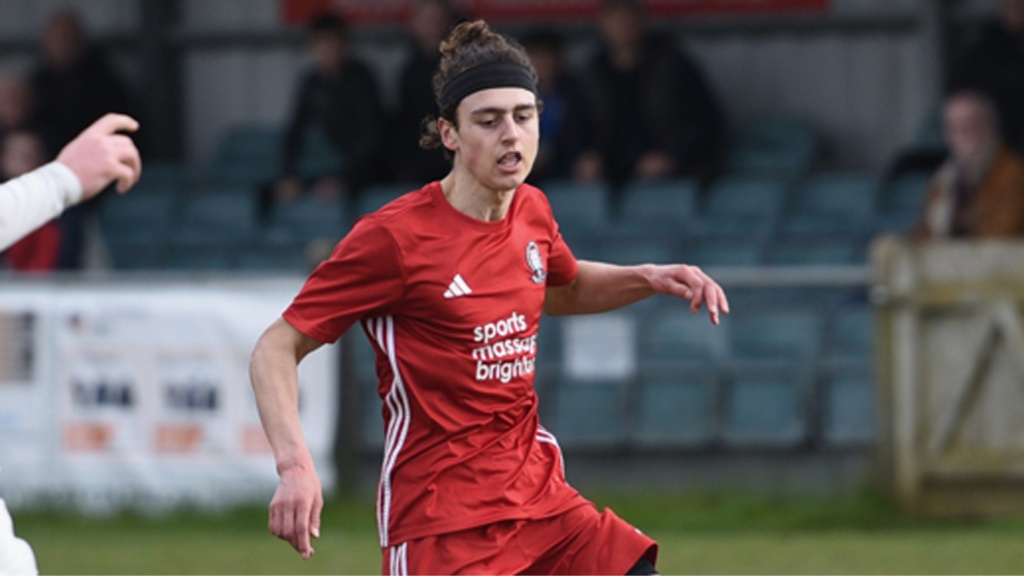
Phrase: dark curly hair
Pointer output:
(469, 44)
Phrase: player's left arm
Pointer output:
(599, 287)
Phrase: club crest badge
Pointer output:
(536, 263)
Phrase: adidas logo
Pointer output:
(457, 288)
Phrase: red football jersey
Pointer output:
(452, 305)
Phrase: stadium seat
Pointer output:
(712, 251)
(778, 333)
(766, 408)
(310, 217)
(816, 250)
(851, 334)
(588, 415)
(667, 205)
(137, 253)
(745, 206)
(147, 212)
(374, 197)
(164, 175)
(676, 407)
(579, 207)
(196, 254)
(833, 203)
(670, 334)
(222, 214)
(248, 154)
(616, 249)
(777, 144)
(850, 409)
(272, 254)
(549, 341)
(319, 156)
(901, 201)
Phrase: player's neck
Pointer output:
(470, 197)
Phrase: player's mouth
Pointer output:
(510, 161)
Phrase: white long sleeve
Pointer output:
(29, 201)
(16, 557)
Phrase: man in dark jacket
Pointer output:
(339, 98)
(650, 113)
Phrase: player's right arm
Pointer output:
(273, 370)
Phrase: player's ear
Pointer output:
(449, 134)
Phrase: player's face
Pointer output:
(497, 137)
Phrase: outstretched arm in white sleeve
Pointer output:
(101, 154)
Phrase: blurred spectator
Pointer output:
(979, 191)
(17, 108)
(991, 61)
(74, 84)
(21, 152)
(429, 23)
(650, 112)
(559, 91)
(339, 98)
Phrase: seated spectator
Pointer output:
(558, 90)
(979, 191)
(20, 153)
(73, 84)
(339, 98)
(650, 114)
(429, 22)
(991, 61)
(17, 108)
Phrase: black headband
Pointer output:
(484, 76)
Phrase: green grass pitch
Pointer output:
(699, 534)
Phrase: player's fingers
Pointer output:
(711, 298)
(697, 299)
(124, 175)
(285, 525)
(113, 122)
(271, 521)
(314, 518)
(129, 164)
(301, 530)
(717, 302)
(276, 522)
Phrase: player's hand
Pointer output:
(101, 154)
(691, 283)
(295, 509)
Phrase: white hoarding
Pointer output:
(136, 394)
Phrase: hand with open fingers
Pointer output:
(295, 509)
(102, 154)
(691, 283)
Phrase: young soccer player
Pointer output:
(449, 283)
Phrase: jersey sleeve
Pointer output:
(31, 200)
(562, 266)
(363, 278)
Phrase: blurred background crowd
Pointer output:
(269, 126)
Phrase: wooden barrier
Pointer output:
(950, 351)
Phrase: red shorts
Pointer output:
(580, 541)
